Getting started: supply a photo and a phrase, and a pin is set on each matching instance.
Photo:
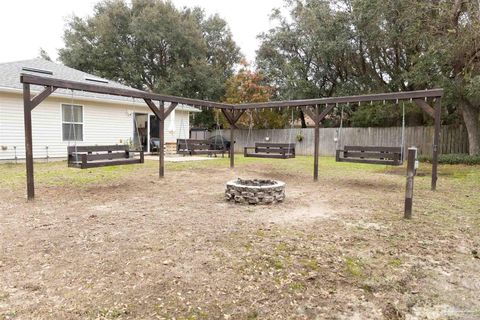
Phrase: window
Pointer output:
(72, 122)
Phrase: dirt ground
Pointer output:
(126, 245)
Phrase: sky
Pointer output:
(28, 25)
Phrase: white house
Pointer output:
(77, 118)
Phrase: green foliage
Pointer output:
(299, 137)
(205, 119)
(248, 86)
(453, 158)
(380, 115)
(44, 55)
(337, 47)
(152, 45)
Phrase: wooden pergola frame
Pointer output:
(316, 109)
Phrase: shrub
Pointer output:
(454, 158)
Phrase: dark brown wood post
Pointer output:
(232, 117)
(27, 119)
(436, 142)
(232, 145)
(161, 140)
(317, 142)
(411, 169)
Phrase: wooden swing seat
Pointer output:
(373, 155)
(271, 150)
(194, 147)
(84, 157)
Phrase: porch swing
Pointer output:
(84, 157)
(269, 149)
(198, 147)
(382, 155)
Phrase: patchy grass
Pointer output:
(395, 263)
(353, 267)
(119, 243)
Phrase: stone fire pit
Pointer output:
(255, 191)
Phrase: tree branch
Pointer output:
(425, 107)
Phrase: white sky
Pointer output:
(28, 25)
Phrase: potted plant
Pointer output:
(299, 137)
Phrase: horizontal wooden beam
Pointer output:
(393, 96)
(131, 93)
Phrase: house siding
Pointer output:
(177, 126)
(103, 124)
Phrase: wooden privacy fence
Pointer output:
(453, 139)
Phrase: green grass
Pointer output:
(57, 173)
(309, 264)
(456, 181)
(353, 267)
(395, 262)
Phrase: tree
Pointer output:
(414, 45)
(455, 42)
(152, 45)
(248, 86)
(44, 55)
(334, 47)
(305, 55)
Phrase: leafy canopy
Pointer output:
(249, 86)
(152, 45)
(337, 47)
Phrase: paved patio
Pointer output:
(177, 158)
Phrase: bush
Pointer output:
(454, 158)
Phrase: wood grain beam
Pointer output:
(306, 110)
(392, 96)
(41, 96)
(124, 92)
(229, 116)
(325, 112)
(172, 107)
(153, 107)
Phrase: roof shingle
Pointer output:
(10, 79)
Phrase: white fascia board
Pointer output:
(92, 99)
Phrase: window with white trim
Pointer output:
(72, 122)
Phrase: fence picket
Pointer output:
(453, 139)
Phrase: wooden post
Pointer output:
(161, 140)
(436, 142)
(317, 142)
(232, 145)
(411, 170)
(232, 118)
(27, 119)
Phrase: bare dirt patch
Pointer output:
(133, 246)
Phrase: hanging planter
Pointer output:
(299, 137)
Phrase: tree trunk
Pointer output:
(471, 118)
(302, 119)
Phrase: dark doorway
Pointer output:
(140, 125)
